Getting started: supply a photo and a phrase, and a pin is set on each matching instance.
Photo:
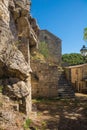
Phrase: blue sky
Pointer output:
(64, 18)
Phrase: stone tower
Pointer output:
(54, 45)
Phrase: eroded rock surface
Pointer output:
(17, 35)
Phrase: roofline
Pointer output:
(51, 34)
(76, 66)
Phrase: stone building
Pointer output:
(48, 78)
(54, 45)
(83, 50)
(77, 76)
(45, 75)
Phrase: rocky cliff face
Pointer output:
(17, 28)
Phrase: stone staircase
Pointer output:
(65, 90)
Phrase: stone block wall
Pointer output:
(49, 81)
(44, 80)
(77, 76)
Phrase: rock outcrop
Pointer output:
(17, 34)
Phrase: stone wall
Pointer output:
(44, 79)
(77, 76)
(49, 81)
(54, 45)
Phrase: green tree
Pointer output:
(85, 34)
(73, 59)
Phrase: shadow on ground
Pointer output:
(61, 114)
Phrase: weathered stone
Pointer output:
(48, 80)
(20, 89)
(16, 13)
(14, 63)
(44, 80)
(26, 31)
(11, 4)
(34, 25)
(23, 27)
(7, 116)
(53, 45)
(4, 13)
(10, 118)
(17, 90)
(24, 4)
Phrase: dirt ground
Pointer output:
(60, 114)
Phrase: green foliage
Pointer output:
(1, 104)
(27, 124)
(43, 49)
(1, 89)
(73, 59)
(17, 42)
(44, 124)
(85, 34)
(37, 56)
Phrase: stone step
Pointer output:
(68, 95)
(65, 91)
(63, 82)
(64, 87)
(72, 94)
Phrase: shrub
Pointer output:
(27, 124)
(43, 49)
(1, 89)
(73, 59)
